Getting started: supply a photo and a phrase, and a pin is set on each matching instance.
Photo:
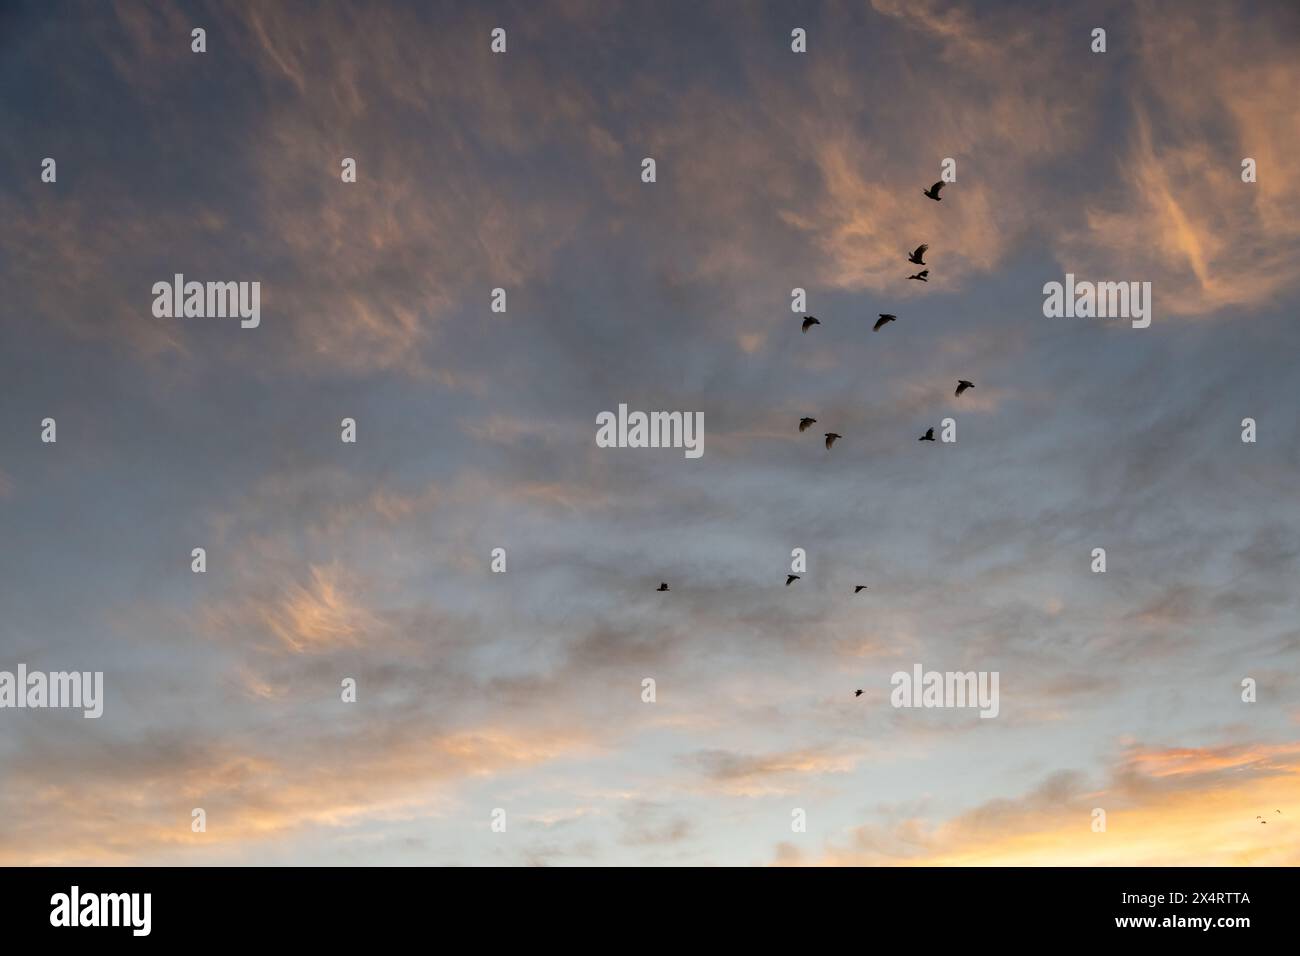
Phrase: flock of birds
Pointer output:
(916, 257)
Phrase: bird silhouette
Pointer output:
(918, 256)
(805, 422)
(922, 276)
(928, 436)
(858, 692)
(885, 319)
(830, 439)
(859, 587)
(790, 579)
(808, 323)
(933, 191)
(663, 586)
(1277, 811)
(962, 385)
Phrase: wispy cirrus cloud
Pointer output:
(1181, 214)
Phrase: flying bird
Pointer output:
(928, 436)
(933, 191)
(808, 323)
(859, 587)
(962, 385)
(790, 579)
(830, 439)
(857, 693)
(921, 276)
(663, 586)
(805, 422)
(885, 319)
(918, 257)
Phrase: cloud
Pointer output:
(649, 824)
(1182, 218)
(743, 774)
(320, 614)
(252, 795)
(1192, 806)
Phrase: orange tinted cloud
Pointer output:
(319, 614)
(1164, 807)
(754, 775)
(1212, 90)
(251, 798)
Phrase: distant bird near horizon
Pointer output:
(921, 276)
(805, 422)
(859, 587)
(928, 436)
(790, 579)
(858, 692)
(830, 439)
(808, 323)
(962, 385)
(663, 586)
(885, 319)
(933, 191)
(917, 257)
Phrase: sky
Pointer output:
(522, 691)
